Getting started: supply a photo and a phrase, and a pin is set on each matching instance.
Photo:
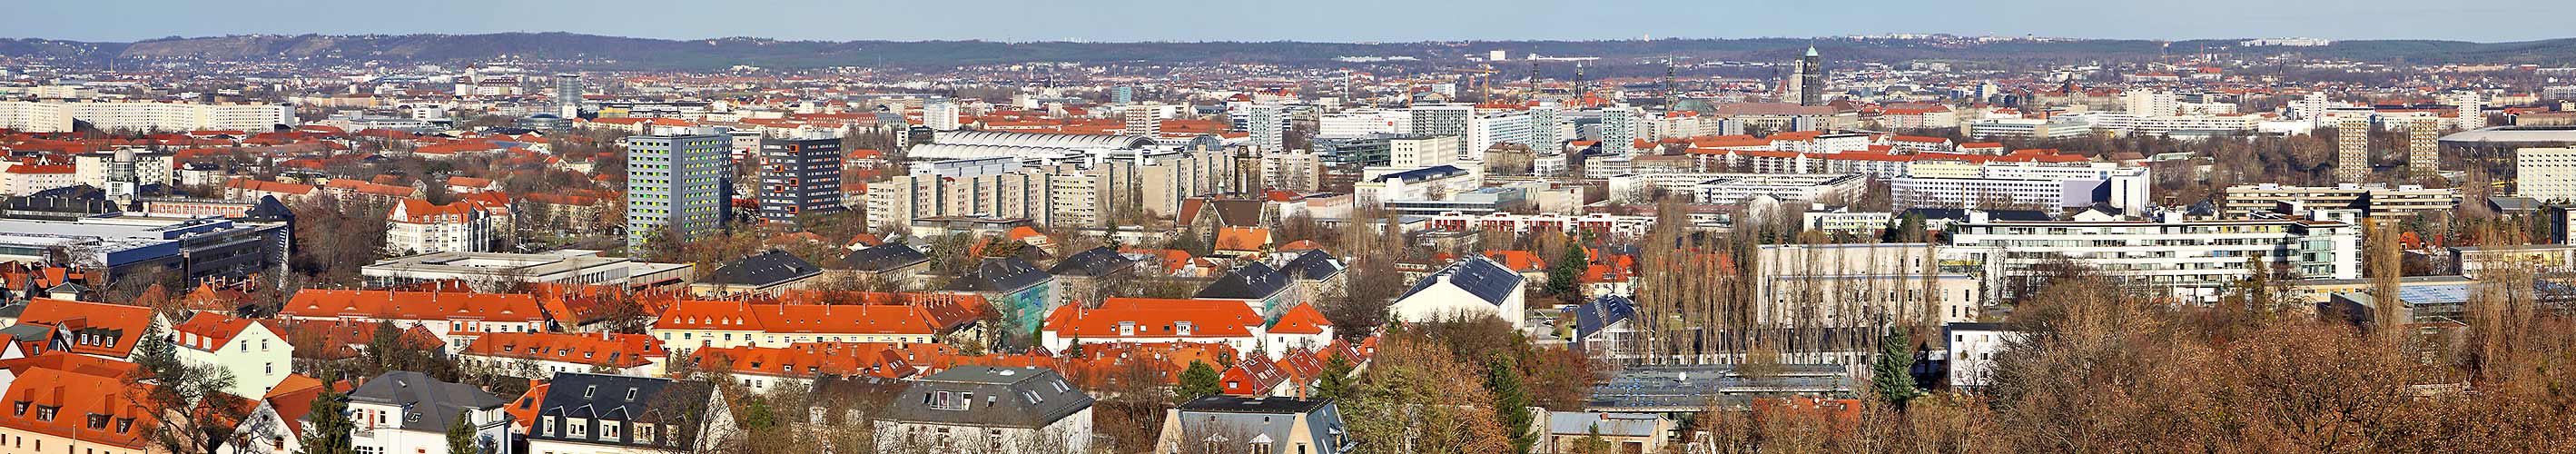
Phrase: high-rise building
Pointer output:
(2352, 149)
(939, 115)
(1619, 129)
(2423, 146)
(1449, 119)
(1485, 130)
(674, 184)
(568, 91)
(1144, 119)
(1122, 94)
(2470, 108)
(2546, 174)
(1268, 124)
(1544, 126)
(799, 176)
(1811, 79)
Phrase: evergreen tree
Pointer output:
(460, 434)
(1511, 404)
(1892, 376)
(756, 416)
(1565, 278)
(327, 425)
(1336, 383)
(1199, 380)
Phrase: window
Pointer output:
(587, 391)
(20, 409)
(46, 413)
(577, 428)
(269, 369)
(608, 431)
(546, 427)
(643, 433)
(630, 394)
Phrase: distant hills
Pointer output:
(609, 52)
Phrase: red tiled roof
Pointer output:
(605, 349)
(388, 305)
(75, 399)
(1155, 317)
(119, 325)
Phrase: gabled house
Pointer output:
(456, 317)
(982, 409)
(610, 414)
(1474, 287)
(61, 411)
(1150, 320)
(1275, 425)
(1603, 330)
(95, 329)
(1316, 272)
(410, 412)
(691, 325)
(257, 356)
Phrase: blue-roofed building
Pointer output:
(1603, 331)
(1475, 286)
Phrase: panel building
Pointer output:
(799, 177)
(674, 184)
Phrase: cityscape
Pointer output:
(568, 241)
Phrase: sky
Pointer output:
(1298, 20)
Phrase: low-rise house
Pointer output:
(892, 265)
(100, 330)
(1276, 425)
(610, 414)
(456, 317)
(401, 412)
(764, 274)
(759, 368)
(1972, 349)
(1084, 276)
(541, 355)
(1474, 287)
(1023, 293)
(1258, 286)
(61, 411)
(1004, 410)
(257, 357)
(1301, 328)
(1602, 328)
(1317, 273)
(1150, 320)
(1568, 432)
(691, 325)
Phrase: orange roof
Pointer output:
(208, 331)
(269, 186)
(1242, 238)
(389, 305)
(1517, 260)
(120, 325)
(1303, 319)
(74, 399)
(803, 318)
(607, 349)
(1154, 317)
(809, 360)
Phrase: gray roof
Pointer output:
(428, 405)
(772, 267)
(1098, 261)
(1244, 419)
(1250, 282)
(1601, 313)
(610, 398)
(990, 397)
(1606, 424)
(883, 257)
(1478, 275)
(1000, 275)
(1029, 139)
(1312, 265)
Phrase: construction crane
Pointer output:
(1482, 79)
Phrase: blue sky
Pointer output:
(1301, 20)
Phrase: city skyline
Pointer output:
(1327, 21)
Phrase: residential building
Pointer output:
(65, 411)
(2373, 199)
(416, 226)
(768, 273)
(891, 264)
(674, 187)
(799, 177)
(1268, 125)
(610, 414)
(495, 272)
(143, 116)
(1971, 352)
(804, 365)
(1084, 276)
(1474, 287)
(1857, 286)
(97, 330)
(2191, 260)
(409, 412)
(1155, 320)
(2423, 146)
(542, 355)
(1442, 119)
(256, 356)
(1567, 431)
(927, 318)
(1022, 293)
(1274, 425)
(2352, 149)
(457, 318)
(1265, 290)
(1021, 410)
(1603, 329)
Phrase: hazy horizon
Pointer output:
(1326, 21)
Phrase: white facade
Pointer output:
(2028, 185)
(1362, 123)
(2546, 174)
(380, 431)
(1415, 153)
(1972, 350)
(2194, 260)
(1485, 130)
(55, 116)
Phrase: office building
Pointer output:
(1363, 123)
(1485, 130)
(1451, 119)
(674, 187)
(939, 114)
(2022, 185)
(496, 272)
(1619, 129)
(799, 177)
(2372, 199)
(2545, 174)
(2352, 149)
(210, 250)
(568, 90)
